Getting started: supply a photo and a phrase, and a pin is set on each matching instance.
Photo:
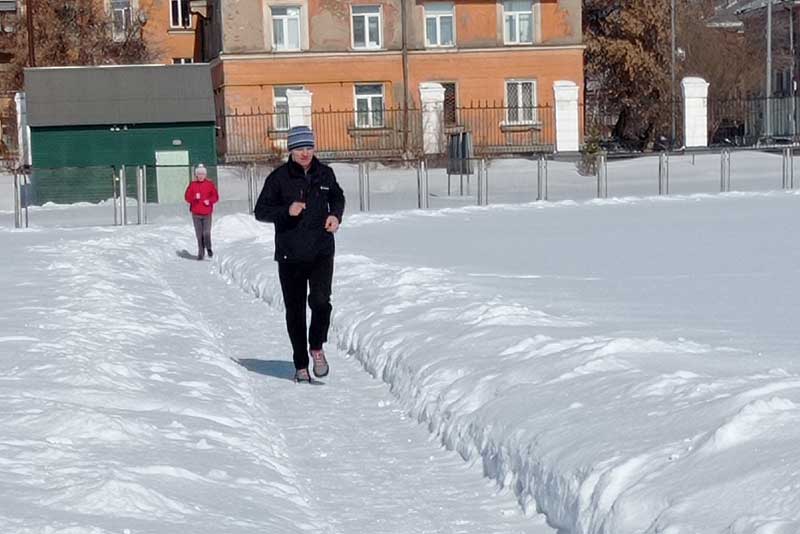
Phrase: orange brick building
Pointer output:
(371, 55)
(170, 27)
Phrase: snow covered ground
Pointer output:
(622, 366)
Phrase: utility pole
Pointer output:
(404, 59)
(672, 19)
(29, 17)
(768, 122)
(793, 84)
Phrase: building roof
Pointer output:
(8, 5)
(726, 14)
(119, 94)
(746, 6)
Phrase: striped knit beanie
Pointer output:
(300, 137)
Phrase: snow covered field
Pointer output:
(622, 366)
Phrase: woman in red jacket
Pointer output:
(201, 196)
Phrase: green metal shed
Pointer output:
(87, 122)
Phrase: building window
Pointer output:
(521, 102)
(783, 82)
(180, 16)
(439, 24)
(281, 106)
(367, 27)
(120, 18)
(369, 106)
(450, 104)
(286, 28)
(182, 60)
(518, 21)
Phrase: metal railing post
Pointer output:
(725, 171)
(140, 195)
(115, 194)
(663, 173)
(360, 187)
(363, 186)
(144, 192)
(422, 185)
(24, 191)
(788, 169)
(123, 196)
(427, 189)
(248, 176)
(541, 181)
(485, 182)
(366, 184)
(17, 201)
(602, 176)
(479, 180)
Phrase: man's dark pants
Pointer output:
(312, 280)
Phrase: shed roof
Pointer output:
(119, 94)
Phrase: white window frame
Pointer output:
(371, 122)
(366, 17)
(181, 15)
(516, 15)
(284, 19)
(276, 104)
(437, 17)
(118, 34)
(182, 60)
(520, 120)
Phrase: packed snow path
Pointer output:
(155, 397)
(361, 464)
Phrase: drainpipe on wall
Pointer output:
(403, 26)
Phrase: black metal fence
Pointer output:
(390, 132)
(743, 122)
(754, 121)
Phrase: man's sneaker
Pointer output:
(301, 375)
(210, 253)
(320, 363)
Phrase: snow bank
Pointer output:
(595, 421)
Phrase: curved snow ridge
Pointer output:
(764, 525)
(757, 418)
(120, 371)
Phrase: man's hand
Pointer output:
(331, 224)
(296, 208)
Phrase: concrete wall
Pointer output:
(562, 22)
(243, 26)
(473, 85)
(249, 83)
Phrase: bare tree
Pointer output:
(73, 32)
(629, 59)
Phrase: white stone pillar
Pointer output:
(23, 131)
(299, 107)
(432, 98)
(695, 112)
(568, 123)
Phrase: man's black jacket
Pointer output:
(301, 238)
